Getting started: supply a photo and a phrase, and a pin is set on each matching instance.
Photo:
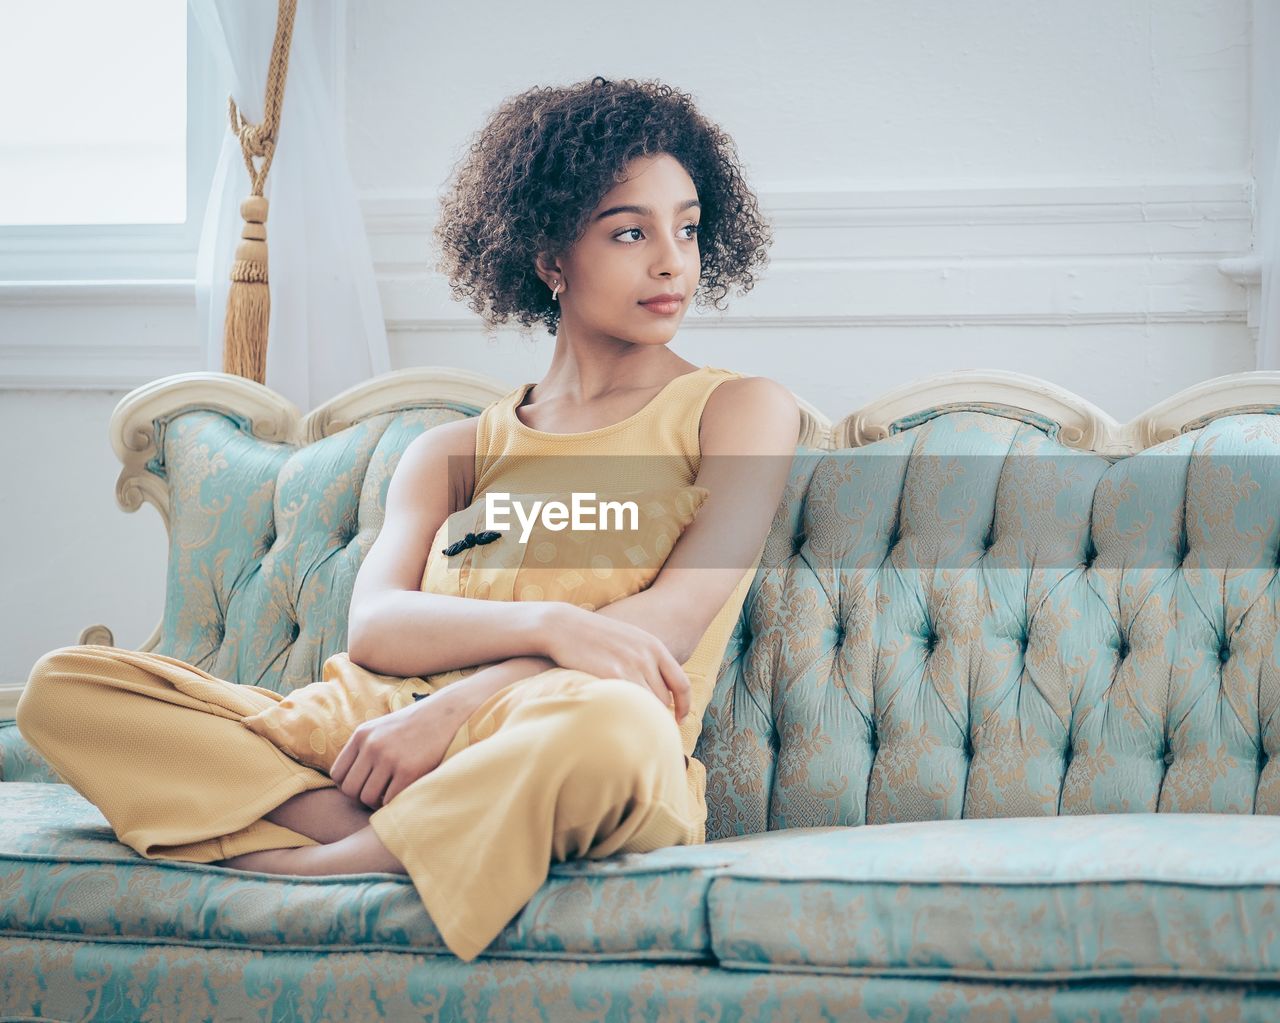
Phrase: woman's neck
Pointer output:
(553, 412)
(581, 379)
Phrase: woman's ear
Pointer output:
(548, 269)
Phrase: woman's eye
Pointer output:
(636, 230)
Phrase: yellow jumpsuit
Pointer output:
(562, 764)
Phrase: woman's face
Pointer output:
(628, 255)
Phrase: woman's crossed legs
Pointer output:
(339, 822)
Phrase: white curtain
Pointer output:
(327, 332)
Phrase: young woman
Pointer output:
(602, 210)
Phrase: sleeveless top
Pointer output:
(657, 446)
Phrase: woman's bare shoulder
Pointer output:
(457, 439)
(460, 434)
(771, 406)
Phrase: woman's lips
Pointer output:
(662, 308)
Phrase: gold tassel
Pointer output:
(244, 331)
(244, 349)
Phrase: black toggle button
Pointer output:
(470, 540)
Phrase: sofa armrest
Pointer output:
(19, 761)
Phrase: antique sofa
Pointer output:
(993, 739)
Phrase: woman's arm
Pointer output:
(459, 700)
(749, 431)
(410, 633)
(395, 629)
(748, 436)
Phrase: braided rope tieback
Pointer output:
(244, 341)
(471, 540)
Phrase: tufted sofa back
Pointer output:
(265, 539)
(967, 618)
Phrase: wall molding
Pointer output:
(1007, 255)
(712, 321)
(1016, 255)
(95, 334)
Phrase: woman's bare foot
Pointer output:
(326, 815)
(268, 861)
(360, 853)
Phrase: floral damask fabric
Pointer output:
(190, 985)
(1047, 681)
(969, 619)
(1070, 897)
(966, 619)
(265, 540)
(1157, 895)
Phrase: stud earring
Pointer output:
(553, 292)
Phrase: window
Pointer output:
(108, 139)
(98, 132)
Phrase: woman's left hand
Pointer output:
(385, 756)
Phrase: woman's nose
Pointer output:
(669, 257)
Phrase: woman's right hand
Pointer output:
(609, 648)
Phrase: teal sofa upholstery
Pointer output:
(994, 737)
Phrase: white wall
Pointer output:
(72, 558)
(1034, 186)
(1041, 187)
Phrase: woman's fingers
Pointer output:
(340, 766)
(657, 684)
(356, 770)
(393, 790)
(658, 668)
(678, 682)
(650, 677)
(669, 682)
(379, 779)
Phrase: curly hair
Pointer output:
(547, 156)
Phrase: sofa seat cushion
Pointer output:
(64, 874)
(1103, 895)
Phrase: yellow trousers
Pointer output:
(559, 765)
